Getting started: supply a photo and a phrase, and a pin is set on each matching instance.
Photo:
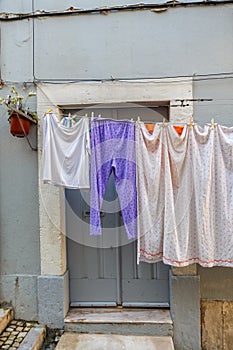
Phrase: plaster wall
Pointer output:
(19, 217)
(117, 45)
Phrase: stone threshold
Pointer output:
(118, 315)
(124, 321)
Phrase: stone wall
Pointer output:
(217, 325)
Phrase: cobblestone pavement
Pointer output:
(52, 338)
(14, 334)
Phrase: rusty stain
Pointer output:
(17, 282)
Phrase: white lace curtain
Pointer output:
(185, 195)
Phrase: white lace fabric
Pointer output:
(185, 195)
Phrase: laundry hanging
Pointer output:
(66, 153)
(113, 150)
(180, 204)
(185, 195)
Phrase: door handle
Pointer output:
(86, 213)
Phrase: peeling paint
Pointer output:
(104, 10)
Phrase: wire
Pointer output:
(195, 77)
(25, 134)
(111, 9)
(33, 42)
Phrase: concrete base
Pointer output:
(21, 292)
(53, 299)
(185, 311)
(72, 341)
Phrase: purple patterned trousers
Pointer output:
(113, 150)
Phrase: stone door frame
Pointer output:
(53, 283)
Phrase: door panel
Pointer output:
(93, 269)
(92, 274)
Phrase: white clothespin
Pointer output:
(69, 120)
(212, 124)
(139, 119)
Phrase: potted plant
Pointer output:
(20, 117)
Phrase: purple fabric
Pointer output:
(113, 149)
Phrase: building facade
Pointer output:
(93, 54)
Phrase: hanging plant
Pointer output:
(20, 116)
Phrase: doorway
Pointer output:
(103, 270)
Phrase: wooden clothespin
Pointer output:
(139, 119)
(191, 124)
(212, 124)
(164, 121)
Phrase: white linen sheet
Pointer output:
(185, 195)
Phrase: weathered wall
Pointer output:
(216, 286)
(19, 222)
(116, 45)
(217, 325)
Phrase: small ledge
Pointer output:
(118, 315)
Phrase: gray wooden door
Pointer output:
(103, 270)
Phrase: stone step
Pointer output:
(123, 321)
(6, 316)
(74, 341)
(34, 339)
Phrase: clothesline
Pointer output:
(138, 119)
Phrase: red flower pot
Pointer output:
(16, 128)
